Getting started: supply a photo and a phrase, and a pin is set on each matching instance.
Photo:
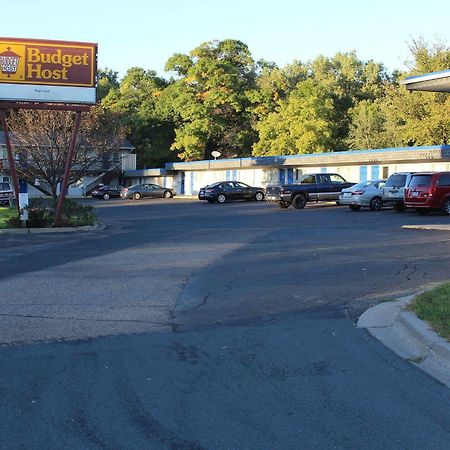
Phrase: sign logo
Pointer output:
(9, 62)
(12, 62)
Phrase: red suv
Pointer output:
(429, 191)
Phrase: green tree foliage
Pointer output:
(367, 129)
(211, 100)
(322, 121)
(302, 124)
(107, 79)
(136, 98)
(220, 99)
(400, 118)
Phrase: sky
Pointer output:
(146, 33)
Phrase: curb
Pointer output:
(409, 337)
(51, 230)
(427, 227)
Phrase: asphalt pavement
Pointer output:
(189, 325)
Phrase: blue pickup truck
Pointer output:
(313, 187)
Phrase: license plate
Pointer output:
(347, 194)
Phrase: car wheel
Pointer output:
(167, 194)
(105, 196)
(259, 196)
(400, 207)
(221, 198)
(136, 196)
(422, 211)
(299, 201)
(354, 207)
(446, 207)
(284, 204)
(376, 204)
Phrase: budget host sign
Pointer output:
(47, 71)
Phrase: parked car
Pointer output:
(394, 190)
(106, 192)
(223, 191)
(6, 193)
(312, 187)
(138, 191)
(366, 193)
(429, 191)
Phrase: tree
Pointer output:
(136, 101)
(211, 102)
(302, 124)
(402, 118)
(107, 80)
(42, 140)
(367, 129)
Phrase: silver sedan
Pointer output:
(365, 193)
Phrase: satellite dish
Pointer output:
(216, 154)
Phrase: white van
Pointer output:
(394, 190)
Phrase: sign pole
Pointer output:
(11, 162)
(65, 183)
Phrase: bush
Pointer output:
(42, 212)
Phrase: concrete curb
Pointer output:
(428, 227)
(409, 337)
(51, 230)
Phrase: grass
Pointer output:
(434, 307)
(5, 214)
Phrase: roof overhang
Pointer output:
(432, 82)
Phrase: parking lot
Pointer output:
(181, 321)
(176, 263)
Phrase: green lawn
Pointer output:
(5, 214)
(434, 307)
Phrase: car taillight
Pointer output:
(209, 190)
(125, 190)
(357, 192)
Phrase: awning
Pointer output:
(432, 82)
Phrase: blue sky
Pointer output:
(146, 33)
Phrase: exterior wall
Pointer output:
(195, 179)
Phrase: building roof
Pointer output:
(353, 157)
(433, 82)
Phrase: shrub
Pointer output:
(42, 212)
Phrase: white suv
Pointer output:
(394, 190)
(6, 193)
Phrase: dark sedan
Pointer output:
(138, 191)
(106, 192)
(223, 191)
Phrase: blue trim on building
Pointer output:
(363, 173)
(375, 172)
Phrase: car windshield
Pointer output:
(396, 181)
(214, 184)
(420, 180)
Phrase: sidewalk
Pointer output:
(409, 337)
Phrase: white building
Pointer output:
(188, 177)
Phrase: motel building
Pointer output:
(188, 177)
(360, 165)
